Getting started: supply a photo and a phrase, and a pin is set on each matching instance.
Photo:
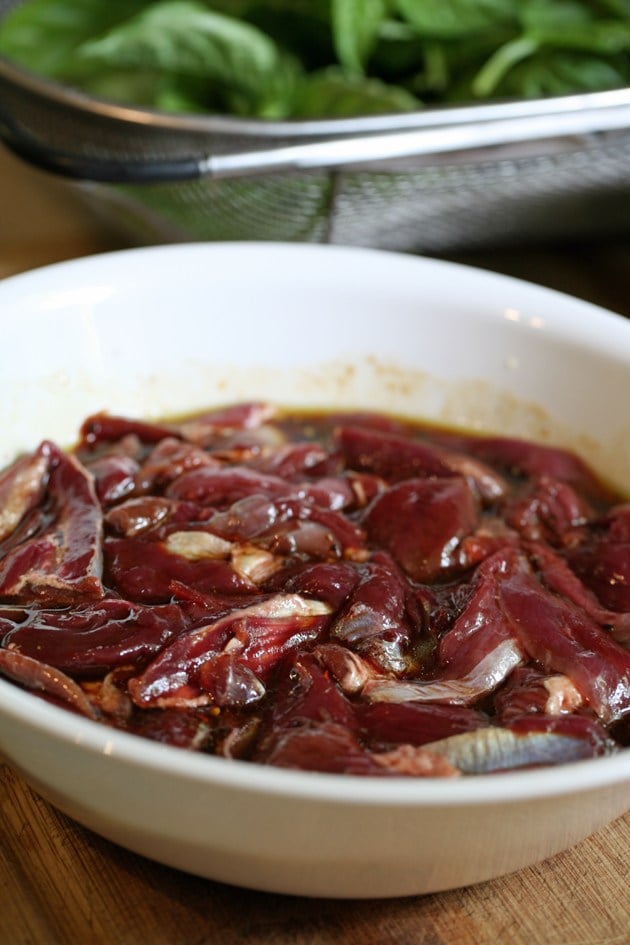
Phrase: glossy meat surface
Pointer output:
(349, 593)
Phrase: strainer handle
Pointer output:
(505, 133)
(610, 114)
(102, 170)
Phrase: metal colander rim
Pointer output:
(429, 117)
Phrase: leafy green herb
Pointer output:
(242, 67)
(330, 93)
(355, 27)
(317, 58)
(457, 19)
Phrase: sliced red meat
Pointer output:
(62, 562)
(422, 523)
(392, 456)
(602, 561)
(230, 658)
(93, 638)
(375, 621)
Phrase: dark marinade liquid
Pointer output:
(341, 592)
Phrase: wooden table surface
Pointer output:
(61, 884)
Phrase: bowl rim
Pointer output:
(95, 739)
(72, 98)
(568, 311)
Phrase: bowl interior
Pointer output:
(157, 332)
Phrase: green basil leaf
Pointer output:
(605, 38)
(333, 93)
(455, 19)
(494, 70)
(185, 38)
(554, 17)
(355, 27)
(42, 35)
(562, 73)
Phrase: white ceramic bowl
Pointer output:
(164, 330)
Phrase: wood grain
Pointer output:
(61, 884)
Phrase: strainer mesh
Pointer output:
(475, 200)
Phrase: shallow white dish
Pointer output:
(166, 330)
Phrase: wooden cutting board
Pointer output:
(62, 885)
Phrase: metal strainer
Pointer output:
(437, 180)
